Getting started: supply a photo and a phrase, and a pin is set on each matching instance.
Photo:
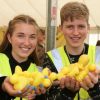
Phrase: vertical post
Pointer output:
(51, 24)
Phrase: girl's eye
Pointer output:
(33, 37)
(20, 35)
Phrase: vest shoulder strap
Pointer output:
(92, 53)
(4, 63)
(32, 67)
(59, 58)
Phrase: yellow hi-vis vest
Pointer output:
(5, 69)
(60, 59)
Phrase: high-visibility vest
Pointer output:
(4, 64)
(60, 59)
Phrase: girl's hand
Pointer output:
(27, 92)
(40, 90)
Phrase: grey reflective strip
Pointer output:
(1, 75)
(97, 57)
(57, 59)
(86, 99)
(39, 68)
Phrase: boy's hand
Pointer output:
(69, 83)
(90, 80)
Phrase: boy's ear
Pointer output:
(59, 28)
(88, 26)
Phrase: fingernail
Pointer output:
(41, 85)
(34, 95)
(45, 76)
(19, 92)
(33, 87)
(28, 86)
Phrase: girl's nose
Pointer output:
(27, 41)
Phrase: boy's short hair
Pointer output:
(74, 10)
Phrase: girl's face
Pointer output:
(23, 41)
(75, 32)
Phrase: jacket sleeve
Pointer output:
(4, 95)
(1, 81)
(48, 63)
(95, 92)
(55, 93)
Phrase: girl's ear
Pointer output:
(9, 37)
(88, 28)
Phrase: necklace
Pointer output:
(74, 58)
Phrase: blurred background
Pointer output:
(38, 9)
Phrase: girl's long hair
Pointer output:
(11, 26)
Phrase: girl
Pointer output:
(18, 48)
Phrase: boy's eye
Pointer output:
(69, 27)
(81, 26)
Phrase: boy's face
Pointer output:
(75, 31)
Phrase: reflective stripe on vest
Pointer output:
(97, 57)
(59, 58)
(4, 63)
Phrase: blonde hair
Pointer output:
(74, 10)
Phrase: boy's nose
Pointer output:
(76, 31)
